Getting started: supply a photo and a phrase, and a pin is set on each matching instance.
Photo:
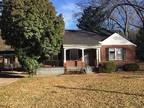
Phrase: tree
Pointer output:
(124, 17)
(32, 28)
(121, 15)
(91, 19)
(140, 44)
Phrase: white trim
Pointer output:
(116, 39)
(64, 55)
(97, 57)
(83, 58)
(99, 53)
(73, 46)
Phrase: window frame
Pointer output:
(116, 54)
(109, 52)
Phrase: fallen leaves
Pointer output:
(75, 91)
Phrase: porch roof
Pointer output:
(81, 37)
(7, 53)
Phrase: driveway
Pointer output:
(7, 78)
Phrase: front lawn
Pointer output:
(75, 91)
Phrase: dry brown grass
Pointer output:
(75, 91)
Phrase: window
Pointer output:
(111, 53)
(116, 53)
(119, 53)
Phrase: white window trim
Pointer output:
(116, 58)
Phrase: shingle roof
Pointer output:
(82, 37)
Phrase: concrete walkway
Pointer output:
(7, 78)
(7, 81)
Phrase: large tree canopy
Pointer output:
(32, 27)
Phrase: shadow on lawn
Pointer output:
(10, 75)
(98, 90)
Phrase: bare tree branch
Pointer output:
(124, 4)
(117, 23)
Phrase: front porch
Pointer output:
(8, 60)
(80, 57)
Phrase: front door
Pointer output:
(90, 57)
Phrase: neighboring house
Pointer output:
(8, 57)
(8, 60)
(1, 6)
(81, 49)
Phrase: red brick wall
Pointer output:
(74, 63)
(130, 53)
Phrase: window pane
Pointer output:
(111, 54)
(112, 49)
(119, 53)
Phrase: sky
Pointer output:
(67, 8)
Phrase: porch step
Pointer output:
(73, 69)
(51, 71)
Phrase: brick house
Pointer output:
(81, 49)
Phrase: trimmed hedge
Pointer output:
(108, 67)
(131, 67)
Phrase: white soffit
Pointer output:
(116, 39)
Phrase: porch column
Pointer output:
(82, 55)
(99, 54)
(97, 58)
(64, 55)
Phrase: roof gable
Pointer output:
(116, 39)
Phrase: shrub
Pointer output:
(30, 65)
(109, 66)
(1, 65)
(131, 67)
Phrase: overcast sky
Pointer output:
(67, 8)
